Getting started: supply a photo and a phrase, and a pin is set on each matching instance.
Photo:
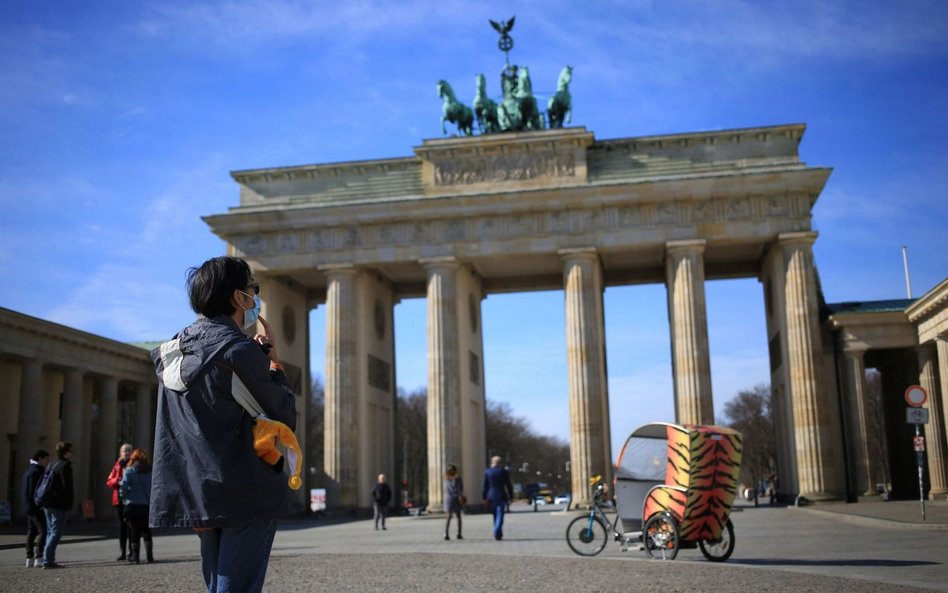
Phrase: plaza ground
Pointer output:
(869, 546)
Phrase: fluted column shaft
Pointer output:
(860, 449)
(687, 315)
(935, 445)
(590, 447)
(814, 452)
(339, 457)
(444, 378)
(77, 428)
(144, 421)
(29, 418)
(108, 440)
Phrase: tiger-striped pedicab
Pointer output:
(675, 484)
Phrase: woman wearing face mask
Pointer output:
(206, 474)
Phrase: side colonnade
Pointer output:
(61, 384)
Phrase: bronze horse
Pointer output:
(484, 108)
(560, 105)
(454, 111)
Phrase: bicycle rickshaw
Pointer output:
(674, 486)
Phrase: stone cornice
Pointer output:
(793, 132)
(46, 341)
(328, 170)
(705, 192)
(930, 303)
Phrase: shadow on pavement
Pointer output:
(866, 562)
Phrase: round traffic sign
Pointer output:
(916, 396)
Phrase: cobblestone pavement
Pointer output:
(777, 549)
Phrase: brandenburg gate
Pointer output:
(535, 210)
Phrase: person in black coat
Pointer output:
(206, 474)
(381, 497)
(35, 518)
(60, 502)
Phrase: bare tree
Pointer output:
(876, 433)
(314, 432)
(411, 446)
(751, 413)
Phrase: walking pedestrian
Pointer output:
(381, 497)
(453, 496)
(35, 517)
(60, 502)
(136, 493)
(114, 481)
(496, 491)
(206, 473)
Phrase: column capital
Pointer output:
(797, 238)
(579, 253)
(686, 246)
(859, 353)
(444, 261)
(337, 269)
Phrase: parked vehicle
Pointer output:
(674, 486)
(565, 498)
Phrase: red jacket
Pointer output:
(115, 480)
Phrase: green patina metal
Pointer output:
(518, 110)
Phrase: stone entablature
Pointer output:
(930, 313)
(861, 331)
(515, 162)
(738, 189)
(27, 337)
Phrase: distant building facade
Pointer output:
(59, 383)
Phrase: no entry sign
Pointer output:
(916, 396)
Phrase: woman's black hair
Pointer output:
(211, 285)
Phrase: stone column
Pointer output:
(144, 420)
(29, 420)
(931, 363)
(108, 445)
(814, 455)
(444, 377)
(76, 427)
(688, 318)
(590, 448)
(861, 454)
(339, 457)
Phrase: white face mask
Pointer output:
(250, 315)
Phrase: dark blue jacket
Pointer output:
(497, 487)
(205, 471)
(31, 479)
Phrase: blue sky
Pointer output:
(120, 122)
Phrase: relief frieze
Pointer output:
(513, 226)
(505, 167)
(288, 243)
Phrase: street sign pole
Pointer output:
(920, 454)
(915, 397)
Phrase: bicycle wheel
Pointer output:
(661, 536)
(719, 550)
(586, 535)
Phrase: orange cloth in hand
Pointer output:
(267, 434)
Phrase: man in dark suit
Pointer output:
(497, 491)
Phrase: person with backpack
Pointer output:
(207, 374)
(136, 490)
(55, 495)
(35, 518)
